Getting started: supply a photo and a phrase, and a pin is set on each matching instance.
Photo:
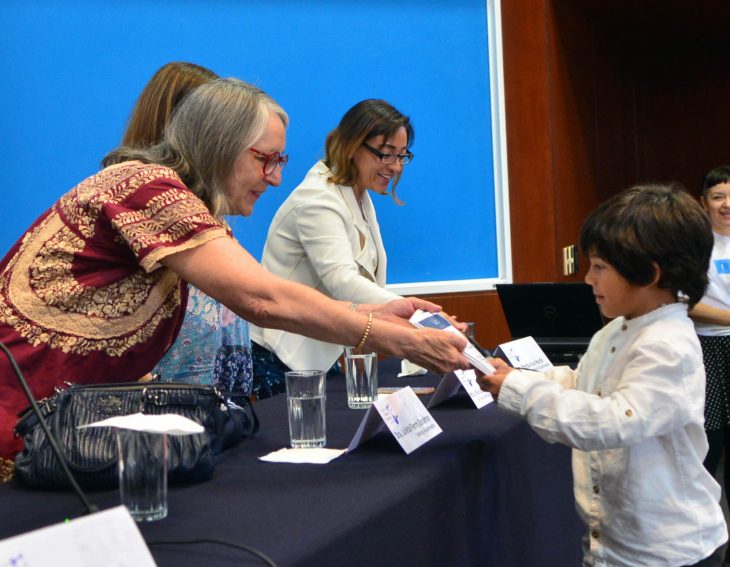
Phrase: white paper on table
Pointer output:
(170, 423)
(317, 456)
(407, 368)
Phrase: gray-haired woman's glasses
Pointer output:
(272, 160)
(390, 158)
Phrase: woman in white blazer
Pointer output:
(326, 233)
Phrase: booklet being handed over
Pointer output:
(438, 321)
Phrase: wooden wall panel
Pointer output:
(573, 107)
(672, 58)
(684, 115)
(529, 144)
(592, 104)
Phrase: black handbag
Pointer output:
(91, 453)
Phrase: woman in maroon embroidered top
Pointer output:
(95, 290)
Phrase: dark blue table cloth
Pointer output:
(486, 491)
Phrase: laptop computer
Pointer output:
(561, 317)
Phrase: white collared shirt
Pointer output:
(634, 414)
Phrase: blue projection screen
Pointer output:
(72, 71)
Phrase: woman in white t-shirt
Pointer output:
(712, 321)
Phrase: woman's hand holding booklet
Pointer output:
(440, 321)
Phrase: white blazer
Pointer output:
(319, 238)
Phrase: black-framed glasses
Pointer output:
(387, 159)
(272, 160)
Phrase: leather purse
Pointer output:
(91, 453)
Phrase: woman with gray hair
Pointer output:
(95, 290)
(213, 344)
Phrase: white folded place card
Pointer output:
(90, 540)
(524, 353)
(170, 423)
(404, 415)
(451, 383)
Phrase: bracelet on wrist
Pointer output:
(365, 334)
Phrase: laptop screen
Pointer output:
(563, 312)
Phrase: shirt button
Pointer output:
(594, 534)
(613, 349)
(629, 413)
(624, 327)
(596, 490)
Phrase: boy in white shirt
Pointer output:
(633, 409)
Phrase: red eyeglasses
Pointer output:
(272, 160)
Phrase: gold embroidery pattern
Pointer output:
(151, 261)
(143, 234)
(112, 317)
(54, 282)
(83, 334)
(82, 205)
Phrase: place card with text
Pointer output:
(404, 415)
(524, 353)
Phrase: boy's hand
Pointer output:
(493, 382)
